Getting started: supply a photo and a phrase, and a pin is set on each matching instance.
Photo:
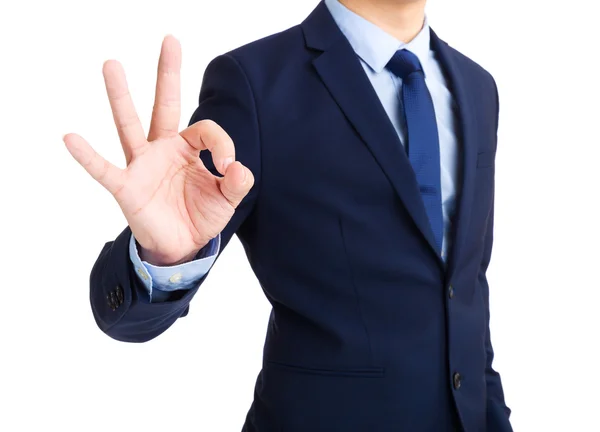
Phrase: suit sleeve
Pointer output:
(497, 412)
(120, 302)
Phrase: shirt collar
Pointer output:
(373, 45)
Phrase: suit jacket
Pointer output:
(370, 330)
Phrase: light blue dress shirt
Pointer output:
(375, 48)
(160, 281)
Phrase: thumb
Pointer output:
(236, 183)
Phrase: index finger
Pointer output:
(208, 135)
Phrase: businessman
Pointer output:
(353, 155)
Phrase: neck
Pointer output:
(402, 19)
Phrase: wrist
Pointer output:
(159, 259)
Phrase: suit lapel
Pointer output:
(343, 75)
(467, 129)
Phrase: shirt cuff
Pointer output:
(172, 278)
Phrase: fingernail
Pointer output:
(228, 161)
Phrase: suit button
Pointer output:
(451, 292)
(456, 380)
(119, 291)
(113, 301)
(110, 300)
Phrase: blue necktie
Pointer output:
(423, 145)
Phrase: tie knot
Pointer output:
(404, 63)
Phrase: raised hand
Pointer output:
(174, 205)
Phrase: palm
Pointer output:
(172, 203)
(167, 187)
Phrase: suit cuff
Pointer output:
(160, 281)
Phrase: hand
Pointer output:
(174, 205)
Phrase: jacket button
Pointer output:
(456, 380)
(111, 305)
(119, 291)
(451, 292)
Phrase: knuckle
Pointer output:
(161, 130)
(168, 103)
(228, 144)
(91, 160)
(168, 72)
(127, 122)
(231, 193)
(207, 122)
(204, 126)
(118, 95)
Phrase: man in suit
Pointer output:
(353, 155)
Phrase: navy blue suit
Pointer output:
(370, 330)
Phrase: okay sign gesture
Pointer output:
(174, 205)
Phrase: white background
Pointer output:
(59, 372)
